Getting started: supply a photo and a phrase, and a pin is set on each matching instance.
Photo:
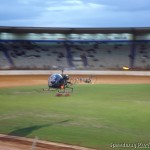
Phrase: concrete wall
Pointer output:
(75, 72)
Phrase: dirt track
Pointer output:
(21, 143)
(14, 80)
(15, 143)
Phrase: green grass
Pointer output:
(93, 116)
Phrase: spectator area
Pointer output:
(142, 56)
(76, 55)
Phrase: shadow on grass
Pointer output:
(26, 131)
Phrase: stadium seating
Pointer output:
(76, 55)
(32, 55)
(142, 56)
(103, 55)
(4, 64)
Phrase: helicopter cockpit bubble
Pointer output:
(55, 80)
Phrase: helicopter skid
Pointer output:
(65, 90)
(49, 90)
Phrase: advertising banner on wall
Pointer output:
(46, 36)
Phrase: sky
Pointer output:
(75, 13)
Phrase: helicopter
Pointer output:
(61, 83)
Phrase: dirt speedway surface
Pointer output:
(17, 143)
(24, 80)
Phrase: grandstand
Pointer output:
(78, 48)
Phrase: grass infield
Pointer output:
(95, 116)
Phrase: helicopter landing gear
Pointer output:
(65, 90)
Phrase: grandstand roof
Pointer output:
(8, 29)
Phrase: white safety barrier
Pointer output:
(74, 72)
